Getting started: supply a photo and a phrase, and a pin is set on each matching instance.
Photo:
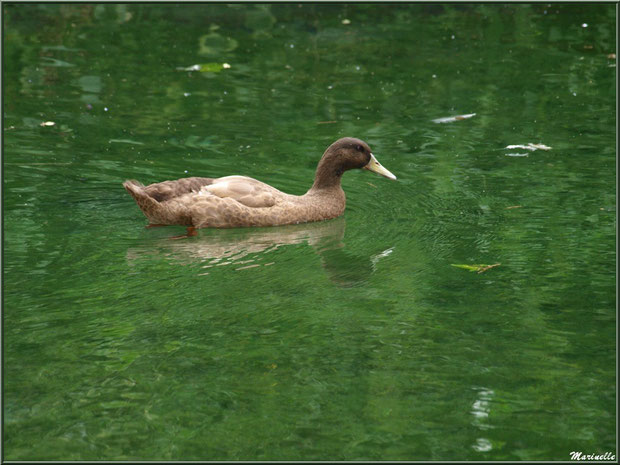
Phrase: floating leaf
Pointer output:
(477, 268)
(125, 141)
(451, 119)
(468, 267)
(206, 67)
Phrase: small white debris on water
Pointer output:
(451, 119)
(529, 146)
(346, 21)
(48, 123)
(375, 258)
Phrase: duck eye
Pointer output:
(359, 147)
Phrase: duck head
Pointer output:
(346, 154)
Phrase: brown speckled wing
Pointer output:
(167, 190)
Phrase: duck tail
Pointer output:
(147, 204)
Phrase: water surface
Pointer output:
(352, 339)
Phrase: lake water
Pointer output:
(351, 339)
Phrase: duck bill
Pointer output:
(376, 167)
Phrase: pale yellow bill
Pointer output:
(376, 167)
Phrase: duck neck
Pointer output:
(327, 177)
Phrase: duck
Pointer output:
(240, 201)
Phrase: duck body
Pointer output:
(241, 201)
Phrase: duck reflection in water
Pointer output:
(253, 248)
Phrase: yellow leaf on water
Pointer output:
(477, 268)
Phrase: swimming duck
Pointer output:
(240, 201)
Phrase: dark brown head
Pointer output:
(346, 154)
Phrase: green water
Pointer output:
(352, 339)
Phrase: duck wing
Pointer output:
(247, 191)
(168, 190)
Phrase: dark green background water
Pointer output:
(343, 340)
